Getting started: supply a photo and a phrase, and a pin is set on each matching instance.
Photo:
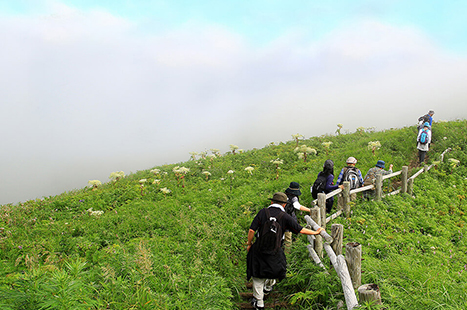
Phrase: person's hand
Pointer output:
(341, 186)
(248, 246)
(390, 166)
(320, 230)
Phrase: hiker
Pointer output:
(423, 142)
(325, 184)
(267, 261)
(370, 177)
(351, 174)
(427, 118)
(292, 192)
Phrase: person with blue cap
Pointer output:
(370, 176)
(423, 142)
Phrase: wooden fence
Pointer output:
(348, 268)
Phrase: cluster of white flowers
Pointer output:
(95, 213)
(155, 171)
(361, 129)
(193, 155)
(250, 169)
(454, 162)
(374, 145)
(117, 175)
(165, 190)
(182, 170)
(206, 173)
(326, 144)
(156, 181)
(230, 172)
(297, 136)
(142, 181)
(233, 147)
(305, 149)
(277, 161)
(94, 183)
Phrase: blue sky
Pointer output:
(93, 87)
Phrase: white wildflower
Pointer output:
(117, 175)
(230, 172)
(142, 181)
(155, 171)
(207, 173)
(277, 161)
(156, 181)
(250, 169)
(94, 183)
(165, 190)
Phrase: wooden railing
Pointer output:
(349, 267)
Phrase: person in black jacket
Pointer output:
(260, 266)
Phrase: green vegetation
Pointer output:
(173, 236)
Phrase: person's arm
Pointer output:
(307, 231)
(329, 187)
(360, 177)
(339, 178)
(303, 208)
(251, 234)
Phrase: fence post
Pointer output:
(337, 234)
(369, 293)
(378, 187)
(346, 198)
(318, 244)
(405, 172)
(322, 209)
(353, 257)
(410, 187)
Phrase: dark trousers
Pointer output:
(421, 156)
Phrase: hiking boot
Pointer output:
(254, 303)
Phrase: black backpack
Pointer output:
(318, 186)
(270, 235)
(351, 175)
(289, 207)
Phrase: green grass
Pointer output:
(185, 250)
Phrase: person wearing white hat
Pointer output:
(351, 174)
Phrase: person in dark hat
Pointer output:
(293, 192)
(261, 267)
(370, 177)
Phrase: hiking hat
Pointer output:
(427, 125)
(431, 112)
(380, 164)
(351, 160)
(279, 197)
(294, 189)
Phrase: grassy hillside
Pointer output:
(132, 244)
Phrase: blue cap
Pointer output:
(381, 164)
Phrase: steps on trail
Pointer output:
(273, 300)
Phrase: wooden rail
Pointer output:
(353, 257)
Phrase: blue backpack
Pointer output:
(423, 137)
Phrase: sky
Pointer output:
(90, 87)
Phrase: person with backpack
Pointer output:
(293, 203)
(266, 259)
(427, 118)
(325, 184)
(350, 174)
(423, 142)
(370, 177)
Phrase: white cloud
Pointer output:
(87, 93)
